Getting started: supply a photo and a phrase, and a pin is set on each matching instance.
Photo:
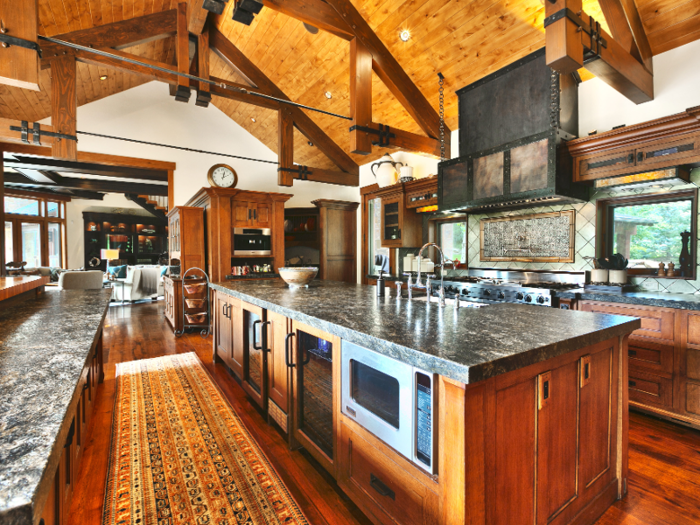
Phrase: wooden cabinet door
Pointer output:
(604, 165)
(222, 331)
(278, 374)
(261, 214)
(666, 153)
(242, 214)
(316, 393)
(689, 365)
(236, 323)
(392, 218)
(253, 342)
(557, 436)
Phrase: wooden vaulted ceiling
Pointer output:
(464, 39)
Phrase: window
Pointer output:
(31, 244)
(375, 233)
(9, 246)
(453, 240)
(54, 244)
(649, 229)
(52, 209)
(21, 206)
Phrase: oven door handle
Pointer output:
(286, 350)
(255, 346)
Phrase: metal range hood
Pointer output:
(513, 126)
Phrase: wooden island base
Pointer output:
(543, 444)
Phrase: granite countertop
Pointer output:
(684, 301)
(467, 345)
(44, 345)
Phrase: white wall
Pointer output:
(676, 88)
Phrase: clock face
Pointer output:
(223, 177)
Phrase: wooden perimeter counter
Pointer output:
(13, 286)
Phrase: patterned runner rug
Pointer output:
(180, 454)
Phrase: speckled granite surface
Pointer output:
(44, 344)
(684, 301)
(468, 345)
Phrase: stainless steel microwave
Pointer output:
(393, 400)
(252, 241)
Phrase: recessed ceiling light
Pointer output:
(252, 119)
(329, 95)
(311, 29)
(310, 143)
(103, 77)
(405, 35)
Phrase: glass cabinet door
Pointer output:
(254, 366)
(315, 396)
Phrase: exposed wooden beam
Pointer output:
(116, 35)
(360, 96)
(36, 193)
(108, 186)
(203, 92)
(64, 106)
(614, 66)
(334, 177)
(86, 168)
(231, 54)
(16, 136)
(182, 52)
(17, 182)
(407, 141)
(390, 71)
(19, 66)
(242, 97)
(313, 12)
(626, 27)
(198, 16)
(285, 147)
(2, 214)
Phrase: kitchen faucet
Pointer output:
(427, 286)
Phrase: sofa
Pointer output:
(90, 280)
(132, 288)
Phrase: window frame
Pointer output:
(605, 238)
(438, 223)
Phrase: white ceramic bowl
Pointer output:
(297, 277)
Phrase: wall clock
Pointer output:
(222, 176)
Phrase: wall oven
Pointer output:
(252, 241)
(393, 400)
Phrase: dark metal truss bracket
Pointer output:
(302, 172)
(8, 41)
(592, 29)
(385, 134)
(37, 133)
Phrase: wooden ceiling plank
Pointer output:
(626, 27)
(139, 8)
(96, 12)
(671, 17)
(117, 35)
(107, 16)
(72, 15)
(84, 14)
(59, 16)
(680, 34)
(229, 52)
(314, 12)
(46, 19)
(118, 10)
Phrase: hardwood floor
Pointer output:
(664, 483)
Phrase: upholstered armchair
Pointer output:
(136, 286)
(91, 280)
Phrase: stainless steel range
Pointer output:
(497, 286)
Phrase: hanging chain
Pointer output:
(442, 116)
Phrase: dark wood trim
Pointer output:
(182, 53)
(626, 27)
(285, 147)
(116, 35)
(103, 186)
(67, 166)
(360, 96)
(37, 195)
(604, 209)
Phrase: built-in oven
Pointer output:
(252, 241)
(393, 400)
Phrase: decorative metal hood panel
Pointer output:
(513, 127)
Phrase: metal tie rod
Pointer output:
(186, 75)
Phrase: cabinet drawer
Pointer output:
(692, 398)
(381, 482)
(653, 357)
(665, 153)
(608, 165)
(657, 323)
(650, 389)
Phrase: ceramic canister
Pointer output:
(599, 275)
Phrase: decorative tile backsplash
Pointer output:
(585, 238)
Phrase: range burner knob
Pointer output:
(540, 299)
(487, 292)
(528, 299)
(465, 291)
(451, 289)
(519, 296)
(501, 295)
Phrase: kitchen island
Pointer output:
(50, 365)
(531, 408)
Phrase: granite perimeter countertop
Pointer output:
(468, 345)
(44, 345)
(685, 301)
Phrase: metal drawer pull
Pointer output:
(286, 350)
(262, 327)
(632, 352)
(380, 487)
(255, 346)
(632, 383)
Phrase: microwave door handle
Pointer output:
(255, 346)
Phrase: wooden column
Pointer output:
(203, 95)
(562, 39)
(285, 146)
(182, 46)
(64, 106)
(2, 214)
(19, 66)
(171, 189)
(360, 96)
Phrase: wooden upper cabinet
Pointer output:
(401, 227)
(261, 215)
(186, 237)
(241, 214)
(248, 214)
(665, 153)
(338, 227)
(605, 165)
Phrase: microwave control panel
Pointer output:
(424, 419)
